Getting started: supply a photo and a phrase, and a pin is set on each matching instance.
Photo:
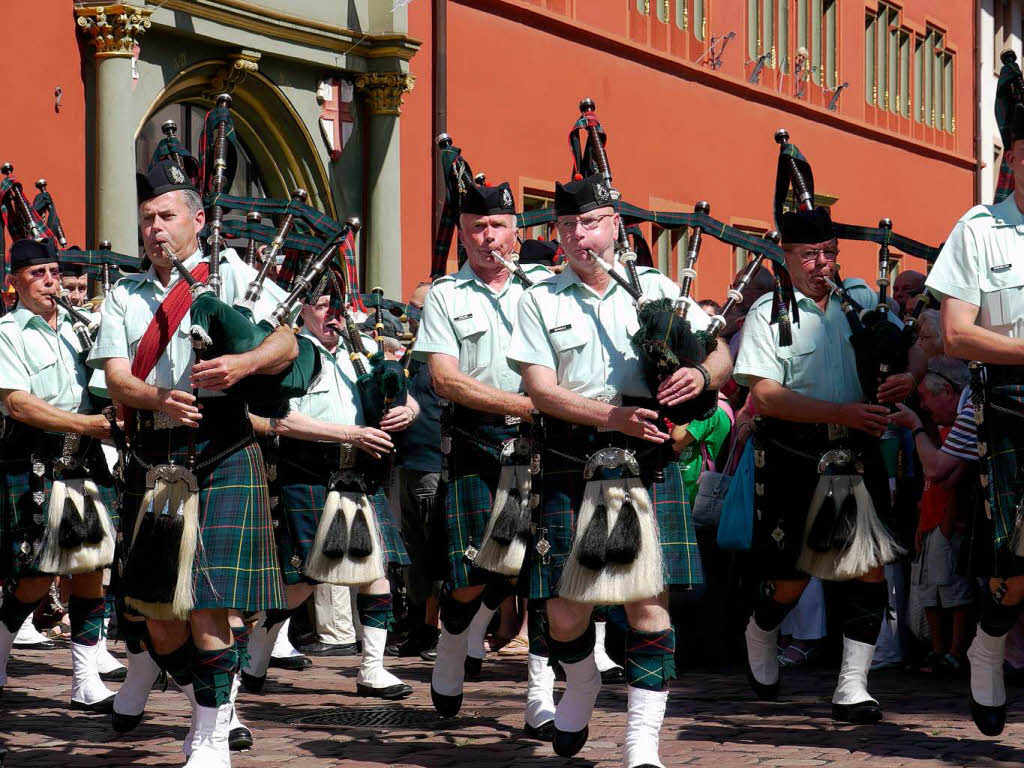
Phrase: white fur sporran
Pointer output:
(506, 559)
(88, 556)
(346, 570)
(872, 544)
(614, 583)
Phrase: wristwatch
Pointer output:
(917, 432)
(272, 428)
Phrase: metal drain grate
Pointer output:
(379, 717)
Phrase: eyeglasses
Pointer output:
(569, 225)
(830, 254)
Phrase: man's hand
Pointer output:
(98, 427)
(685, 384)
(180, 406)
(872, 419)
(220, 373)
(638, 422)
(397, 418)
(896, 388)
(904, 417)
(375, 442)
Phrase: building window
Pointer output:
(663, 8)
(801, 37)
(643, 6)
(533, 201)
(891, 62)
(691, 14)
(934, 71)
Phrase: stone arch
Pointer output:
(265, 120)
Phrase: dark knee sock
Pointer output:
(650, 658)
(177, 663)
(769, 612)
(134, 634)
(13, 612)
(862, 609)
(375, 611)
(995, 618)
(537, 627)
(495, 593)
(277, 616)
(455, 615)
(571, 651)
(241, 635)
(212, 672)
(86, 619)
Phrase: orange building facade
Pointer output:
(879, 96)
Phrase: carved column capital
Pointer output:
(114, 29)
(384, 90)
(237, 67)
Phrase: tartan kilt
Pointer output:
(22, 522)
(1002, 469)
(563, 485)
(473, 467)
(788, 481)
(236, 563)
(299, 508)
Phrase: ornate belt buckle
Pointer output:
(346, 455)
(172, 473)
(68, 449)
(515, 446)
(611, 458)
(511, 421)
(837, 432)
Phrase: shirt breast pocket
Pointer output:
(1003, 296)
(569, 346)
(471, 331)
(41, 361)
(798, 363)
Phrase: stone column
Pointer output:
(114, 29)
(383, 230)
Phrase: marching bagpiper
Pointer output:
(464, 333)
(58, 510)
(334, 524)
(615, 526)
(198, 528)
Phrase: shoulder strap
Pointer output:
(166, 319)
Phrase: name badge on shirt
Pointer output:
(1002, 268)
(558, 328)
(464, 317)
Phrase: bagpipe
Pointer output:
(880, 346)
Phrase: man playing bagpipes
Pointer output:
(821, 488)
(980, 275)
(335, 525)
(464, 334)
(198, 528)
(58, 515)
(615, 527)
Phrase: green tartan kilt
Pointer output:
(299, 508)
(1001, 430)
(23, 522)
(561, 497)
(473, 469)
(236, 562)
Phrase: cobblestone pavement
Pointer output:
(314, 718)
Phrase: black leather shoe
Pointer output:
(473, 667)
(124, 723)
(117, 676)
(103, 707)
(430, 654)
(613, 676)
(390, 693)
(44, 645)
(568, 743)
(239, 739)
(543, 732)
(294, 663)
(251, 683)
(861, 713)
(767, 692)
(329, 649)
(446, 706)
(990, 720)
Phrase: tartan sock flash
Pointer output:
(177, 663)
(650, 658)
(87, 619)
(241, 635)
(212, 672)
(375, 611)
